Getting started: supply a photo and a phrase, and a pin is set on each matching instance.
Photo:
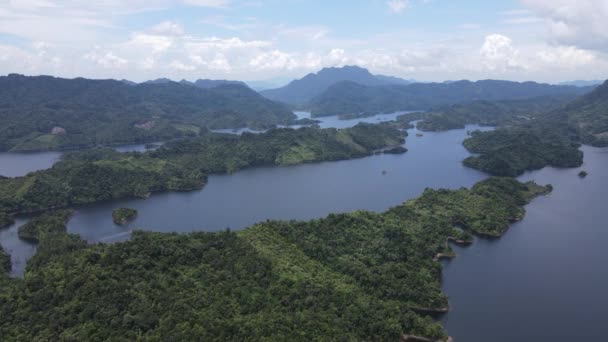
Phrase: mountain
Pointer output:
(157, 81)
(300, 92)
(350, 98)
(394, 80)
(268, 84)
(43, 112)
(582, 83)
(206, 84)
(589, 116)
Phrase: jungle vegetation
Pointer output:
(45, 113)
(356, 276)
(122, 216)
(104, 174)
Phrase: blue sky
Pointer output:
(432, 40)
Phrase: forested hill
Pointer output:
(350, 98)
(44, 112)
(589, 115)
(300, 92)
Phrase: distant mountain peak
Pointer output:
(305, 89)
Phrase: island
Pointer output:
(583, 174)
(41, 226)
(104, 174)
(348, 276)
(122, 216)
(395, 150)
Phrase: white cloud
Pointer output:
(178, 65)
(498, 53)
(168, 28)
(397, 6)
(580, 23)
(106, 59)
(566, 57)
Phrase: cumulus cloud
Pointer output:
(498, 53)
(106, 59)
(580, 23)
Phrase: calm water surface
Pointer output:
(545, 279)
(19, 164)
(297, 192)
(14, 164)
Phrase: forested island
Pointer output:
(122, 216)
(531, 133)
(355, 276)
(103, 174)
(47, 224)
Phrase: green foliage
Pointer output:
(589, 116)
(87, 113)
(218, 153)
(103, 174)
(349, 98)
(489, 113)
(122, 216)
(5, 263)
(511, 151)
(357, 276)
(95, 175)
(45, 225)
(5, 219)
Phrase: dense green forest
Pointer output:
(104, 174)
(489, 113)
(47, 224)
(5, 264)
(512, 151)
(350, 98)
(42, 113)
(5, 219)
(122, 216)
(356, 276)
(589, 116)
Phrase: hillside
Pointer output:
(358, 276)
(488, 113)
(300, 92)
(43, 112)
(589, 115)
(350, 98)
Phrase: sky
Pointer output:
(428, 40)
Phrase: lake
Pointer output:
(545, 279)
(14, 164)
(295, 192)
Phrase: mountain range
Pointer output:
(302, 91)
(44, 112)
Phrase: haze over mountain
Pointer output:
(350, 98)
(589, 114)
(582, 83)
(303, 90)
(45, 112)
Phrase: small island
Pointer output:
(583, 174)
(395, 150)
(122, 216)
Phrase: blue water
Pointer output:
(545, 279)
(296, 192)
